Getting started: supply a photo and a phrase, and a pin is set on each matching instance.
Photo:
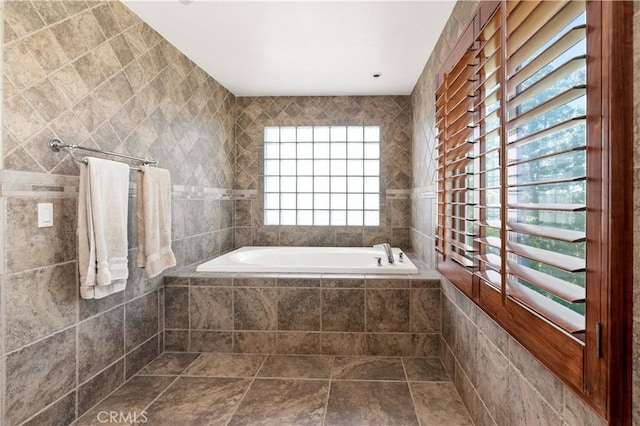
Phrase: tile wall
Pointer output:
(391, 113)
(487, 365)
(2, 232)
(303, 314)
(92, 73)
(636, 210)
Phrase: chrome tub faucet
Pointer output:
(387, 250)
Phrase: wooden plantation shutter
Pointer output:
(543, 180)
(546, 160)
(455, 162)
(524, 225)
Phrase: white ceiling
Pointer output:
(303, 48)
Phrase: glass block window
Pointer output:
(322, 175)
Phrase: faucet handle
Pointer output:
(401, 257)
(379, 260)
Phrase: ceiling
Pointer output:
(302, 48)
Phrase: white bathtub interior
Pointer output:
(345, 260)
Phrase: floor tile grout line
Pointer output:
(170, 384)
(247, 390)
(413, 400)
(369, 380)
(184, 370)
(300, 379)
(205, 376)
(326, 404)
(264, 361)
(157, 375)
(160, 394)
(88, 410)
(368, 359)
(306, 379)
(182, 373)
(48, 406)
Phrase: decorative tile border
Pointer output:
(399, 193)
(21, 184)
(423, 192)
(31, 184)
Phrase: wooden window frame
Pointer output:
(598, 372)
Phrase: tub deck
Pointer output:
(344, 260)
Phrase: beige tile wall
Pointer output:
(92, 73)
(392, 113)
(498, 380)
(487, 365)
(2, 232)
(636, 209)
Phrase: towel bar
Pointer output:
(56, 145)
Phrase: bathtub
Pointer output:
(341, 260)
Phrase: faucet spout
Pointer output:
(387, 250)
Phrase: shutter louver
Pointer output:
(488, 148)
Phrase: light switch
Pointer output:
(45, 215)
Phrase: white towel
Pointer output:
(154, 220)
(102, 227)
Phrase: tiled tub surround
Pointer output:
(391, 113)
(93, 73)
(391, 315)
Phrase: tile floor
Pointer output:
(191, 389)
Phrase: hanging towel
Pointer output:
(102, 227)
(154, 220)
